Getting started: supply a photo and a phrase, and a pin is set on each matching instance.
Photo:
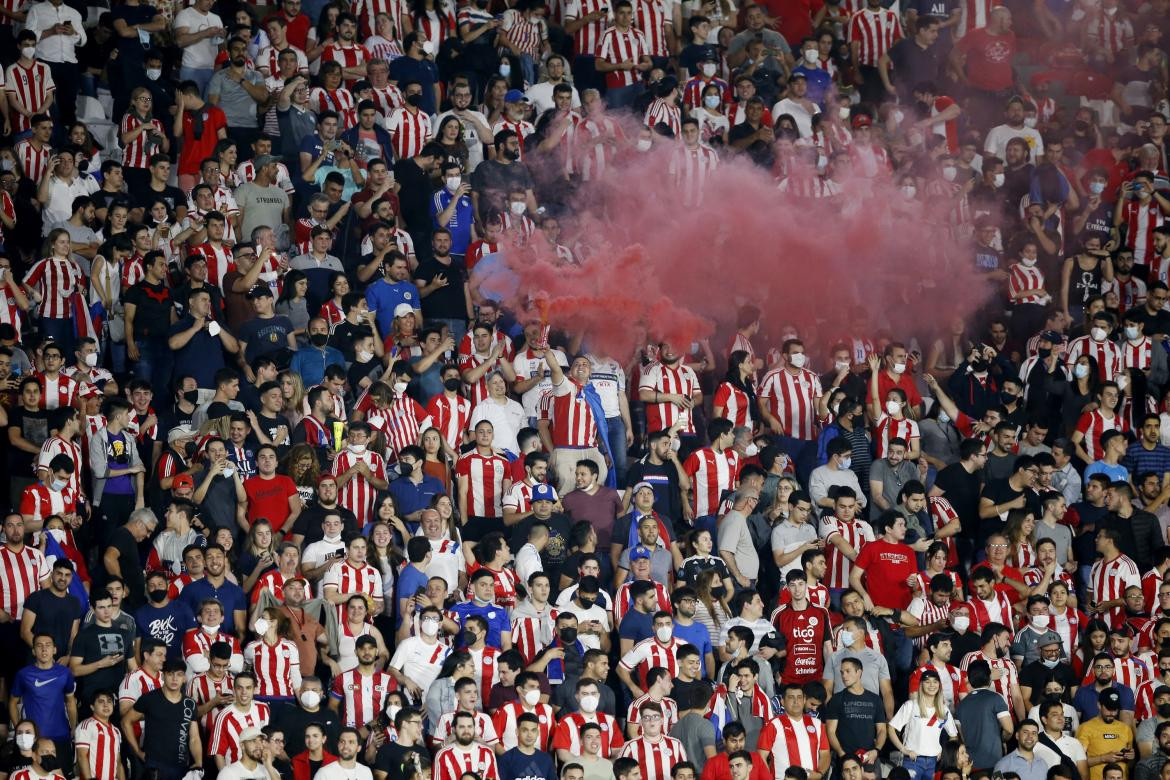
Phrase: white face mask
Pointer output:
(364, 356)
(1098, 334)
(751, 450)
(675, 444)
(229, 471)
(1029, 121)
(453, 182)
(846, 462)
(950, 172)
(899, 368)
(357, 449)
(1096, 187)
(26, 741)
(1081, 370)
(664, 633)
(841, 365)
(893, 407)
(644, 144)
(797, 360)
(430, 627)
(846, 639)
(310, 699)
(961, 623)
(532, 698)
(709, 69)
(505, 69)
(909, 190)
(154, 74)
(400, 387)
(262, 626)
(998, 179)
(429, 49)
(91, 359)
(211, 630)
(589, 704)
(711, 102)
(1028, 262)
(1039, 621)
(29, 52)
(1122, 381)
(1131, 332)
(518, 207)
(811, 56)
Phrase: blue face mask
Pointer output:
(1096, 187)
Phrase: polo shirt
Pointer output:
(230, 595)
(202, 356)
(383, 296)
(460, 223)
(1036, 769)
(495, 615)
(411, 497)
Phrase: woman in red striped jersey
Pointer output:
(274, 658)
(736, 396)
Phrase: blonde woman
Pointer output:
(293, 389)
(917, 728)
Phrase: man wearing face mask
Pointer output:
(1028, 646)
(1013, 127)
(418, 65)
(1153, 737)
(418, 659)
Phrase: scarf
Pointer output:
(589, 392)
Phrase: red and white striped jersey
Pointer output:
(56, 280)
(40, 502)
(711, 474)
(225, 731)
(1144, 698)
(588, 37)
(198, 642)
(434, 26)
(1108, 581)
(28, 87)
(1106, 353)
(568, 733)
(387, 99)
(505, 722)
(1033, 576)
(487, 670)
(1139, 354)
(790, 742)
(478, 388)
(103, 741)
(357, 494)
(595, 157)
(1022, 281)
(522, 129)
(1024, 555)
(943, 513)
(219, 261)
(888, 428)
(526, 34)
(21, 572)
(58, 392)
(857, 533)
(690, 168)
(137, 153)
(1140, 221)
(350, 579)
(975, 14)
(679, 380)
(1006, 682)
(409, 131)
(485, 476)
(618, 47)
(571, 417)
(32, 161)
(792, 399)
(997, 610)
(454, 761)
(134, 686)
(735, 404)
(267, 62)
(340, 100)
(652, 17)
(1131, 672)
(368, 10)
(954, 682)
(655, 758)
(362, 697)
(531, 634)
(1093, 424)
(623, 602)
(351, 56)
(450, 416)
(1068, 626)
(133, 271)
(875, 31)
(661, 111)
(924, 608)
(203, 688)
(669, 712)
(403, 423)
(650, 653)
(277, 667)
(55, 446)
(1112, 34)
(485, 728)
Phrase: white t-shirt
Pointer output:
(609, 379)
(507, 419)
(998, 137)
(470, 136)
(316, 553)
(200, 54)
(238, 771)
(419, 661)
(541, 96)
(336, 771)
(527, 367)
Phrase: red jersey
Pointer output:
(277, 667)
(21, 572)
(617, 47)
(806, 631)
(789, 742)
(362, 697)
(229, 722)
(195, 149)
(450, 416)
(712, 473)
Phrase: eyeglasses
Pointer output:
(997, 546)
(650, 717)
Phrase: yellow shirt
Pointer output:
(1100, 738)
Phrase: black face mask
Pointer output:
(586, 603)
(1008, 398)
(318, 339)
(239, 63)
(158, 596)
(979, 366)
(452, 385)
(49, 763)
(1044, 353)
(568, 635)
(191, 396)
(467, 638)
(1164, 710)
(414, 100)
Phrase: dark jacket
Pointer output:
(350, 136)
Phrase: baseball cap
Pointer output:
(1048, 640)
(643, 484)
(640, 553)
(259, 291)
(543, 492)
(89, 390)
(798, 74)
(515, 96)
(862, 120)
(183, 480)
(180, 432)
(403, 310)
(250, 733)
(1109, 698)
(1052, 337)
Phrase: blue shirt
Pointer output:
(422, 71)
(167, 624)
(311, 362)
(1139, 460)
(636, 626)
(383, 296)
(202, 357)
(42, 695)
(409, 581)
(230, 595)
(818, 81)
(1115, 473)
(1085, 700)
(1036, 769)
(696, 634)
(514, 765)
(461, 219)
(411, 497)
(495, 615)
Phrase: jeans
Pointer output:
(617, 446)
(201, 76)
(622, 97)
(155, 363)
(60, 330)
(528, 68)
(921, 768)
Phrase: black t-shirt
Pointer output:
(1034, 674)
(664, 478)
(104, 199)
(167, 740)
(153, 305)
(94, 643)
(447, 302)
(1154, 324)
(414, 199)
(270, 426)
(1000, 491)
(173, 196)
(36, 427)
(494, 180)
(556, 552)
(292, 719)
(344, 336)
(55, 616)
(131, 565)
(914, 64)
(308, 523)
(391, 758)
(265, 336)
(759, 152)
(962, 490)
(857, 715)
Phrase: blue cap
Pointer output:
(543, 492)
(515, 96)
(640, 553)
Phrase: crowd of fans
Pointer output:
(294, 496)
